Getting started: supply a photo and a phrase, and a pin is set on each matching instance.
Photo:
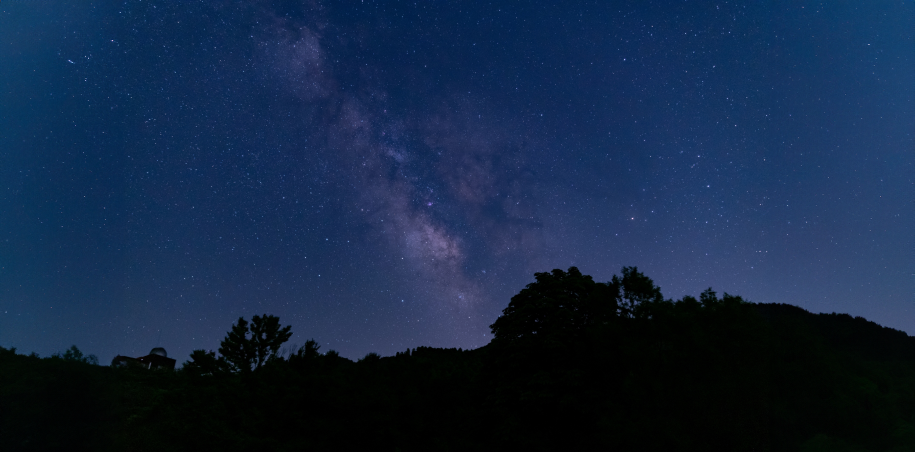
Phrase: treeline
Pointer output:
(574, 365)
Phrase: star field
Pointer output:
(385, 175)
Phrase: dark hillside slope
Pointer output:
(54, 404)
(855, 335)
(574, 365)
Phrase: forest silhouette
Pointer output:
(574, 364)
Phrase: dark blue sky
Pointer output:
(384, 175)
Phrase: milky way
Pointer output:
(420, 178)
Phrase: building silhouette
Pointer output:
(156, 359)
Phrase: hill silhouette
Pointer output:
(574, 365)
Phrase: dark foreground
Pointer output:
(720, 374)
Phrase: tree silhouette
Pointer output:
(205, 363)
(245, 353)
(306, 354)
(370, 357)
(555, 308)
(74, 354)
(638, 292)
(561, 306)
(309, 350)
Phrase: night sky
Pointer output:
(387, 174)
